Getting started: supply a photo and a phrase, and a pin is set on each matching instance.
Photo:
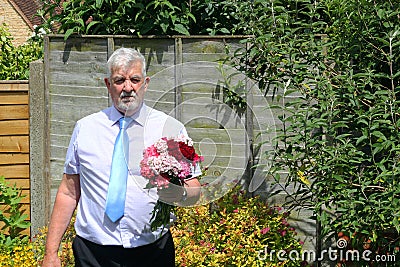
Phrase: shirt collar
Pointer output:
(115, 115)
(140, 116)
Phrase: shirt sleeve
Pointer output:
(196, 171)
(71, 165)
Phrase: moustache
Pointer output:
(126, 94)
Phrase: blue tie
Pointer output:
(115, 203)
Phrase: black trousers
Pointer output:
(158, 254)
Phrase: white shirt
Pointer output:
(89, 155)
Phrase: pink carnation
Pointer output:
(151, 151)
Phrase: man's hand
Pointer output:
(51, 260)
(172, 194)
(183, 196)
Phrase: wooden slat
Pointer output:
(93, 44)
(19, 183)
(13, 98)
(26, 193)
(23, 232)
(14, 144)
(14, 150)
(12, 112)
(14, 171)
(12, 158)
(14, 86)
(14, 127)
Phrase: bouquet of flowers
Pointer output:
(168, 160)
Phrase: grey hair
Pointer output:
(123, 58)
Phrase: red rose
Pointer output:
(173, 149)
(187, 151)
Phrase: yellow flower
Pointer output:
(303, 178)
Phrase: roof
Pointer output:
(27, 10)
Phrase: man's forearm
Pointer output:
(64, 206)
(62, 213)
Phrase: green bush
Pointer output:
(14, 61)
(18, 253)
(11, 214)
(332, 69)
(14, 246)
(65, 253)
(238, 231)
(158, 17)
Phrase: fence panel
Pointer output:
(14, 138)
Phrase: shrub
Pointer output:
(19, 253)
(117, 17)
(14, 246)
(333, 69)
(159, 17)
(11, 214)
(65, 253)
(238, 231)
(14, 61)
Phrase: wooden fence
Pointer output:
(14, 138)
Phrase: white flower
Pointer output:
(183, 138)
(161, 146)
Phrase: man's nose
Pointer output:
(128, 86)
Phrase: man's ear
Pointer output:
(107, 82)
(146, 82)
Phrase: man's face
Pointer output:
(127, 88)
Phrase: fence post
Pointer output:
(39, 169)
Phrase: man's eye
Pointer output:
(135, 80)
(119, 81)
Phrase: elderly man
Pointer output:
(106, 235)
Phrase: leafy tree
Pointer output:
(333, 68)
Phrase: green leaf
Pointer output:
(164, 27)
(99, 3)
(90, 26)
(68, 33)
(379, 134)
